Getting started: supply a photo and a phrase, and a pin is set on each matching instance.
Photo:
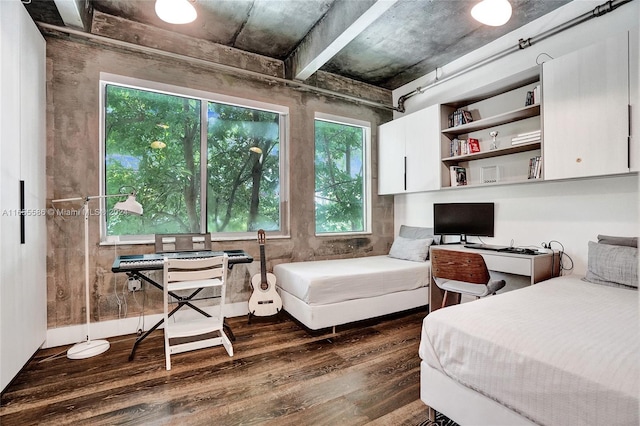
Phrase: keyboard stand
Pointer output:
(181, 301)
(133, 265)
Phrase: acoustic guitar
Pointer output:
(264, 300)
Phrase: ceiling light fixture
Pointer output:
(492, 12)
(176, 11)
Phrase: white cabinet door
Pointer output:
(585, 111)
(409, 152)
(391, 157)
(423, 150)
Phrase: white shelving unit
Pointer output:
(502, 111)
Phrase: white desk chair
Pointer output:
(194, 275)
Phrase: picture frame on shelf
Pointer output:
(490, 174)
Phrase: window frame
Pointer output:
(204, 97)
(367, 179)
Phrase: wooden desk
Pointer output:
(538, 267)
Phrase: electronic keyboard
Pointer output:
(144, 262)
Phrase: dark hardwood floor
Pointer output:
(367, 373)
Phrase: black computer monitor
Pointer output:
(475, 219)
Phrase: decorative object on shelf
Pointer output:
(526, 137)
(474, 145)
(492, 12)
(89, 347)
(490, 174)
(494, 144)
(535, 168)
(458, 176)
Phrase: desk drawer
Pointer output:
(508, 264)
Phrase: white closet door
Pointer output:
(33, 173)
(23, 289)
(585, 104)
(10, 252)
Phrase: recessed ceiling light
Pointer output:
(492, 12)
(176, 11)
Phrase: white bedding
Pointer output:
(561, 352)
(331, 281)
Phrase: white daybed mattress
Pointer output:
(326, 293)
(561, 352)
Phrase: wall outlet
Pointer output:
(134, 284)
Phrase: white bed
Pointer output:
(561, 352)
(327, 293)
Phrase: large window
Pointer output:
(198, 164)
(341, 175)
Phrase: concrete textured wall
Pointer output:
(73, 169)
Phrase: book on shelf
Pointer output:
(533, 96)
(529, 99)
(526, 137)
(525, 140)
(458, 175)
(474, 145)
(460, 117)
(535, 167)
(526, 134)
(458, 147)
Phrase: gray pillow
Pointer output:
(418, 232)
(410, 249)
(618, 241)
(615, 266)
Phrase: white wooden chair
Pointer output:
(193, 276)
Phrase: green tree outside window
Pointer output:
(339, 177)
(153, 143)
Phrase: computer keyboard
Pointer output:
(518, 250)
(486, 247)
(502, 249)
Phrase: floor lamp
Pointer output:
(90, 348)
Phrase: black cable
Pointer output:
(562, 255)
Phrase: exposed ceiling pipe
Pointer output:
(205, 63)
(598, 11)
